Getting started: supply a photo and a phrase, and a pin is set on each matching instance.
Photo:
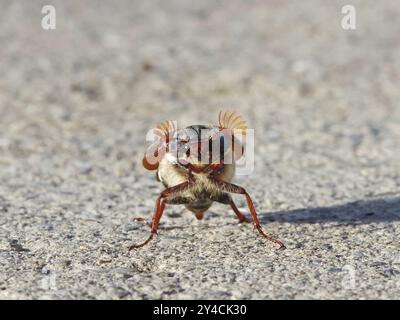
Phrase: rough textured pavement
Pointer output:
(76, 103)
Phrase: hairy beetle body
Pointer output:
(196, 166)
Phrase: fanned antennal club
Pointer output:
(166, 130)
(229, 120)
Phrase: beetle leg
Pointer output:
(158, 211)
(227, 199)
(162, 200)
(242, 218)
(232, 188)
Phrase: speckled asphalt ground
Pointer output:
(76, 103)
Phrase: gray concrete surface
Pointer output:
(76, 103)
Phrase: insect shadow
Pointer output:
(356, 212)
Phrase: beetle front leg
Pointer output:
(227, 199)
(162, 200)
(232, 188)
(242, 218)
(158, 211)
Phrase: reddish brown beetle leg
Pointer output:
(230, 187)
(160, 206)
(242, 218)
(158, 211)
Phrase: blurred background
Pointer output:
(77, 101)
